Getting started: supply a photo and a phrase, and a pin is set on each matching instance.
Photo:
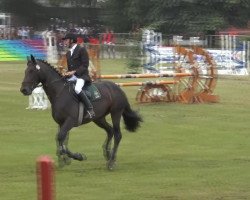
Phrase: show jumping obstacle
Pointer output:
(193, 81)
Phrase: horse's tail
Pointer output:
(132, 119)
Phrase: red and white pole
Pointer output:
(45, 178)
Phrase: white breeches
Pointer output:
(79, 83)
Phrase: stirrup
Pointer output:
(90, 114)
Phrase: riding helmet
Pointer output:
(70, 36)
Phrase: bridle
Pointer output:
(40, 84)
(46, 85)
(32, 84)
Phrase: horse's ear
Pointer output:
(33, 59)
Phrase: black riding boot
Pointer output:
(87, 103)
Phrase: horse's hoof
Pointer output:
(80, 157)
(61, 164)
(63, 160)
(67, 160)
(84, 157)
(111, 165)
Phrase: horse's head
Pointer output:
(31, 77)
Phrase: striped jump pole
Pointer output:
(45, 178)
(147, 83)
(157, 75)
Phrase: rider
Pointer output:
(78, 63)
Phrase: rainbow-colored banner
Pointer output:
(18, 50)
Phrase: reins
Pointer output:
(40, 84)
(54, 81)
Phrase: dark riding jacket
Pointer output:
(79, 61)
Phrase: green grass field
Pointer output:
(181, 152)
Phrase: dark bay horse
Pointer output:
(65, 109)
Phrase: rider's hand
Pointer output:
(70, 73)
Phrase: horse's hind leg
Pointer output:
(102, 123)
(116, 118)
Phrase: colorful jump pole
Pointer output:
(45, 178)
(161, 75)
(146, 83)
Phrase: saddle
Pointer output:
(90, 90)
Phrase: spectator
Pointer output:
(19, 33)
(111, 43)
(105, 43)
(13, 33)
(1, 33)
(25, 33)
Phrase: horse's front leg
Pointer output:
(62, 138)
(62, 158)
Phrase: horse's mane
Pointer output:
(58, 69)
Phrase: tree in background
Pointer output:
(81, 3)
(36, 13)
(177, 16)
(29, 10)
(168, 16)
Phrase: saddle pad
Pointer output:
(92, 92)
